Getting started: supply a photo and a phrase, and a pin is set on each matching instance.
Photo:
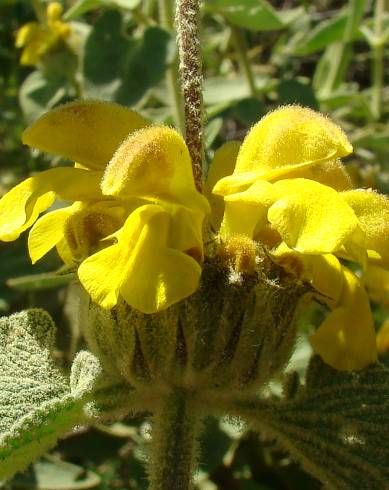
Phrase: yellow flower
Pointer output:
(290, 192)
(134, 229)
(37, 39)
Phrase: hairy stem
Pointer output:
(378, 60)
(244, 64)
(172, 74)
(187, 20)
(174, 442)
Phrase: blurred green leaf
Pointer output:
(288, 16)
(372, 138)
(55, 475)
(135, 65)
(106, 51)
(83, 6)
(332, 68)
(256, 15)
(34, 282)
(37, 94)
(220, 90)
(249, 110)
(322, 35)
(146, 64)
(212, 130)
(126, 4)
(297, 92)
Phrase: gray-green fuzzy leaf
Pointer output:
(336, 426)
(37, 403)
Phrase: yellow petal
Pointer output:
(20, 207)
(54, 11)
(383, 338)
(223, 164)
(153, 163)
(185, 232)
(291, 135)
(246, 212)
(376, 281)
(290, 142)
(26, 33)
(331, 173)
(235, 183)
(346, 339)
(88, 131)
(47, 232)
(324, 272)
(64, 252)
(313, 218)
(92, 223)
(372, 211)
(140, 266)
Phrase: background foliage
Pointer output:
(328, 55)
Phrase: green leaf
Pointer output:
(83, 6)
(373, 138)
(336, 426)
(35, 282)
(212, 129)
(323, 34)
(126, 4)
(37, 403)
(146, 65)
(38, 93)
(256, 15)
(221, 90)
(249, 111)
(297, 92)
(135, 65)
(106, 51)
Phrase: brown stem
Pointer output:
(187, 20)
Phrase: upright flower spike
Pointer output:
(290, 192)
(134, 229)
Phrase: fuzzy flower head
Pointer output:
(133, 228)
(37, 39)
(290, 192)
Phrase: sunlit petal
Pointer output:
(246, 212)
(346, 339)
(223, 164)
(291, 135)
(153, 162)
(141, 266)
(313, 218)
(20, 207)
(87, 131)
(47, 232)
(372, 211)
